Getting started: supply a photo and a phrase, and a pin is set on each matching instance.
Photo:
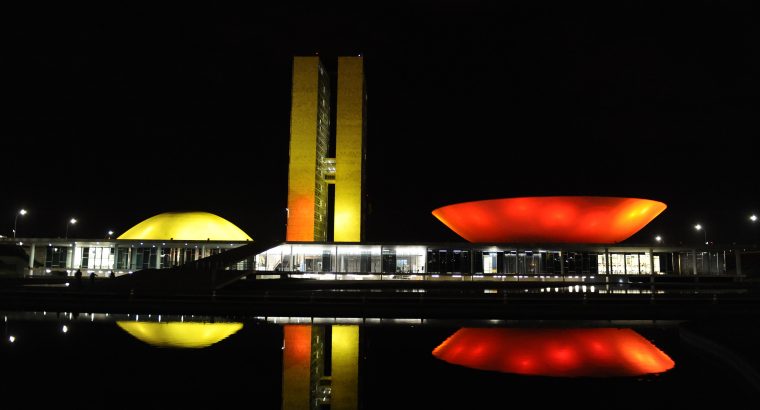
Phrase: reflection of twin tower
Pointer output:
(310, 170)
(309, 353)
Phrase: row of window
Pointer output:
(125, 258)
(401, 259)
(456, 261)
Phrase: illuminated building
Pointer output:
(162, 241)
(185, 226)
(551, 219)
(510, 238)
(309, 139)
(310, 170)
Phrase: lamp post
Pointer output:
(21, 212)
(72, 221)
(658, 239)
(753, 219)
(110, 234)
(699, 227)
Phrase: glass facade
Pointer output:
(469, 260)
(491, 261)
(120, 256)
(386, 260)
(629, 264)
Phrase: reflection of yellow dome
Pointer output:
(178, 334)
(186, 226)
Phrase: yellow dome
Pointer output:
(186, 226)
(179, 334)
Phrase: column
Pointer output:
(70, 256)
(694, 261)
(159, 250)
(31, 259)
(607, 260)
(625, 264)
(115, 257)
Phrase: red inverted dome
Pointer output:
(550, 219)
(602, 352)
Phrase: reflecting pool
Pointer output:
(70, 360)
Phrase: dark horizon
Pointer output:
(466, 101)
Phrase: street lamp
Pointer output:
(701, 228)
(658, 238)
(72, 221)
(15, 220)
(753, 218)
(110, 233)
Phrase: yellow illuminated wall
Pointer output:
(345, 367)
(309, 139)
(349, 151)
(296, 371)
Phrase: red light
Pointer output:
(551, 219)
(602, 352)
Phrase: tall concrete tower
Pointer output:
(309, 140)
(310, 171)
(349, 151)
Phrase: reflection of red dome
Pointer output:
(550, 219)
(602, 352)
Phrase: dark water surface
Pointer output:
(96, 363)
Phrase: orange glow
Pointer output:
(300, 219)
(296, 366)
(602, 352)
(550, 219)
(297, 343)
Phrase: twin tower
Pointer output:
(310, 169)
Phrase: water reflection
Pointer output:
(597, 352)
(180, 334)
(320, 366)
(302, 362)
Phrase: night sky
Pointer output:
(114, 115)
